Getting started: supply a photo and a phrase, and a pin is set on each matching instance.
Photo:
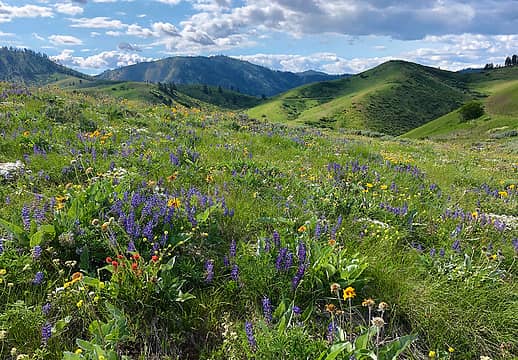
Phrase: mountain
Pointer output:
(499, 90)
(391, 98)
(23, 65)
(229, 73)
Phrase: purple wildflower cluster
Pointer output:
(249, 330)
(400, 211)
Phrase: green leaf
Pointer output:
(45, 232)
(184, 296)
(281, 309)
(18, 232)
(84, 258)
(67, 355)
(85, 345)
(337, 348)
(395, 348)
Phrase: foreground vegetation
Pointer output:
(139, 231)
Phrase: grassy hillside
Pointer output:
(164, 232)
(392, 98)
(500, 87)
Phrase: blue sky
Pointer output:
(335, 36)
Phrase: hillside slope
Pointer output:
(22, 65)
(229, 73)
(500, 88)
(392, 98)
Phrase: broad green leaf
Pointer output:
(18, 232)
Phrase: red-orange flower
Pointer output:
(136, 256)
(134, 266)
(109, 260)
(154, 258)
(115, 264)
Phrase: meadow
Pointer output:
(143, 231)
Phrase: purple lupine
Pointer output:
(226, 262)
(38, 278)
(45, 309)
(515, 245)
(1, 246)
(234, 273)
(288, 260)
(331, 329)
(233, 248)
(297, 310)
(281, 258)
(298, 277)
(302, 253)
(26, 218)
(276, 238)
(318, 230)
(46, 333)
(267, 309)
(267, 244)
(131, 247)
(433, 252)
(36, 252)
(249, 330)
(442, 252)
(209, 271)
(456, 246)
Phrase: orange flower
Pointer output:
(332, 242)
(154, 258)
(330, 308)
(349, 293)
(302, 228)
(174, 203)
(134, 266)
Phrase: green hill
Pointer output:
(187, 95)
(392, 98)
(229, 73)
(500, 90)
(26, 66)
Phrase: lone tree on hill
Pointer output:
(471, 110)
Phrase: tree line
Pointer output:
(509, 61)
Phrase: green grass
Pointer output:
(236, 180)
(391, 98)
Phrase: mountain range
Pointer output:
(227, 72)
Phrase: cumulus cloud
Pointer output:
(64, 40)
(100, 22)
(68, 9)
(103, 60)
(169, 2)
(8, 12)
(128, 47)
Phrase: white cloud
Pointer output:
(68, 8)
(166, 29)
(8, 12)
(169, 2)
(101, 61)
(4, 34)
(100, 22)
(139, 31)
(65, 40)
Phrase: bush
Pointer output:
(471, 110)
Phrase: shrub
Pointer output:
(471, 110)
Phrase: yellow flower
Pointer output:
(79, 303)
(369, 185)
(302, 228)
(3, 271)
(101, 357)
(368, 302)
(349, 293)
(431, 354)
(383, 187)
(101, 285)
(503, 194)
(450, 349)
(174, 203)
(78, 351)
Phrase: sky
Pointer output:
(333, 36)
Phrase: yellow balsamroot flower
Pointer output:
(79, 304)
(174, 203)
(369, 185)
(78, 351)
(503, 194)
(3, 271)
(384, 187)
(302, 228)
(432, 354)
(450, 349)
(368, 303)
(349, 293)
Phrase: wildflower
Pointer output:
(368, 303)
(46, 333)
(95, 222)
(104, 226)
(450, 349)
(3, 334)
(234, 273)
(26, 133)
(14, 351)
(3, 271)
(384, 187)
(174, 203)
(36, 252)
(331, 329)
(302, 228)
(331, 242)
(297, 310)
(334, 288)
(330, 308)
(45, 309)
(79, 304)
(485, 357)
(136, 256)
(38, 278)
(276, 238)
(154, 258)
(378, 322)
(209, 271)
(115, 264)
(233, 247)
(503, 194)
(382, 306)
(77, 276)
(267, 309)
(109, 260)
(78, 351)
(249, 330)
(134, 266)
(432, 354)
(349, 293)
